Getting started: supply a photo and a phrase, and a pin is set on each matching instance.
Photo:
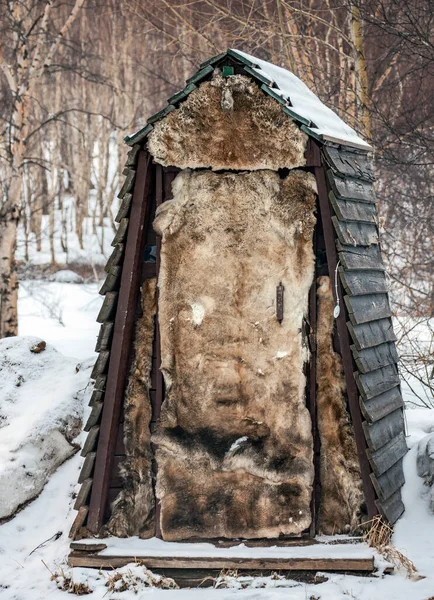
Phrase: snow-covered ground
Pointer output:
(35, 543)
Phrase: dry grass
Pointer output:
(67, 584)
(379, 537)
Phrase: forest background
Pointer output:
(76, 76)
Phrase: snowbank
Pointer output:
(40, 415)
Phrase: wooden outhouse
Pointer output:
(247, 384)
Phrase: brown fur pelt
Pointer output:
(341, 487)
(133, 509)
(235, 443)
(228, 123)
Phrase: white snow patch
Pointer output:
(306, 104)
(280, 354)
(40, 414)
(66, 276)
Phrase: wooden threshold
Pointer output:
(84, 559)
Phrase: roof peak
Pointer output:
(298, 101)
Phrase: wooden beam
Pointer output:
(315, 160)
(79, 559)
(121, 345)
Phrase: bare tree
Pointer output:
(30, 40)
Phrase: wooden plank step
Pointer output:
(362, 258)
(82, 559)
(357, 283)
(351, 210)
(374, 333)
(355, 233)
(86, 547)
(390, 481)
(379, 433)
(382, 405)
(370, 307)
(381, 460)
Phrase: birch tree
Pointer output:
(33, 33)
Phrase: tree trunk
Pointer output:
(9, 278)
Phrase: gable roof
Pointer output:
(298, 101)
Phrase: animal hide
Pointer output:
(132, 512)
(235, 443)
(228, 123)
(341, 487)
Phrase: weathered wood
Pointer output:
(374, 358)
(86, 547)
(104, 336)
(124, 208)
(389, 482)
(348, 189)
(361, 258)
(91, 439)
(115, 257)
(182, 94)
(78, 521)
(133, 156)
(122, 342)
(348, 163)
(372, 334)
(121, 232)
(314, 157)
(377, 382)
(94, 416)
(81, 559)
(130, 175)
(377, 408)
(101, 363)
(83, 494)
(161, 114)
(201, 74)
(379, 433)
(392, 508)
(381, 460)
(100, 383)
(370, 307)
(87, 468)
(350, 210)
(112, 281)
(108, 307)
(355, 233)
(97, 396)
(139, 136)
(358, 283)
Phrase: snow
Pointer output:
(23, 575)
(306, 104)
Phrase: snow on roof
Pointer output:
(304, 103)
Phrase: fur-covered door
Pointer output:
(234, 446)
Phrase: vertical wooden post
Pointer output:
(122, 342)
(159, 391)
(311, 387)
(315, 161)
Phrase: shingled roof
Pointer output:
(348, 197)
